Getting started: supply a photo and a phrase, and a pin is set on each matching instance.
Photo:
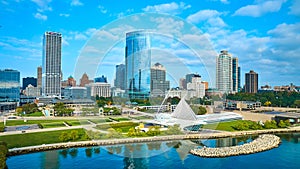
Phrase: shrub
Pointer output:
(3, 154)
(270, 124)
(40, 125)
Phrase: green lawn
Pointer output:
(124, 126)
(142, 117)
(31, 139)
(47, 123)
(225, 126)
(35, 114)
(77, 122)
(53, 125)
(21, 122)
(97, 121)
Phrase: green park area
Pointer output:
(39, 138)
(241, 125)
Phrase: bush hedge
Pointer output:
(3, 154)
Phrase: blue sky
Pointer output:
(263, 34)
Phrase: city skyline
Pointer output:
(248, 30)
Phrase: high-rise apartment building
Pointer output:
(235, 75)
(51, 84)
(224, 72)
(138, 62)
(251, 82)
(120, 77)
(9, 85)
(159, 85)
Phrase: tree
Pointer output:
(61, 110)
(282, 124)
(173, 130)
(112, 133)
(270, 124)
(74, 135)
(297, 103)
(267, 103)
(201, 110)
(64, 137)
(153, 131)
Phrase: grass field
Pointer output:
(124, 126)
(53, 125)
(31, 139)
(98, 121)
(21, 122)
(225, 126)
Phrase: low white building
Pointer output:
(99, 88)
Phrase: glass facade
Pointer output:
(9, 85)
(138, 63)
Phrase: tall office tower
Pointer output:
(9, 85)
(224, 72)
(120, 77)
(158, 85)
(102, 79)
(51, 84)
(29, 80)
(39, 76)
(251, 82)
(138, 62)
(235, 75)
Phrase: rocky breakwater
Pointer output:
(262, 143)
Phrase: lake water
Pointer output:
(162, 155)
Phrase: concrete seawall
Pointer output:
(46, 147)
(262, 143)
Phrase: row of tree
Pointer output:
(275, 99)
(3, 154)
(269, 124)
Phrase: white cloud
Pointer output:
(80, 36)
(286, 39)
(295, 8)
(64, 15)
(102, 9)
(22, 47)
(43, 5)
(260, 9)
(76, 3)
(212, 17)
(225, 1)
(170, 8)
(40, 16)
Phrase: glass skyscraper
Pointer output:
(138, 63)
(51, 71)
(9, 85)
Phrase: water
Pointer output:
(161, 155)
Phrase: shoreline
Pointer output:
(55, 146)
(264, 142)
